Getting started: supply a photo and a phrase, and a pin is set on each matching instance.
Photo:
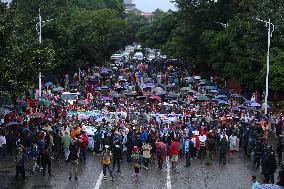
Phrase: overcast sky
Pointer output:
(151, 5)
(147, 5)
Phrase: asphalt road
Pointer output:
(235, 175)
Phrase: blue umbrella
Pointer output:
(223, 102)
(57, 89)
(235, 109)
(221, 96)
(254, 104)
(248, 102)
(48, 84)
(211, 87)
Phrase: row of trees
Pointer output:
(235, 49)
(81, 33)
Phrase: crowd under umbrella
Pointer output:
(185, 89)
(158, 89)
(203, 98)
(221, 97)
(48, 84)
(155, 98)
(211, 87)
(44, 102)
(106, 98)
(37, 115)
(57, 89)
(141, 97)
(254, 104)
(223, 103)
(235, 109)
(13, 125)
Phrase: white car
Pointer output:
(71, 97)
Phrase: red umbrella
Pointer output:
(155, 98)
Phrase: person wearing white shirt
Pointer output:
(2, 146)
(202, 150)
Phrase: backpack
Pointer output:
(106, 155)
(160, 152)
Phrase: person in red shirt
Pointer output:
(174, 152)
(83, 145)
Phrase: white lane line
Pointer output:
(99, 181)
(169, 182)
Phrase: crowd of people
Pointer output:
(166, 113)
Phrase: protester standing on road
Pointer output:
(117, 151)
(269, 168)
(137, 160)
(35, 154)
(223, 150)
(83, 145)
(174, 152)
(73, 158)
(66, 141)
(2, 145)
(187, 146)
(161, 153)
(46, 160)
(21, 158)
(146, 147)
(106, 159)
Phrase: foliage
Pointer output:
(80, 33)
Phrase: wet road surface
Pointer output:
(235, 174)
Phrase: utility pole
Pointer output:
(270, 28)
(39, 27)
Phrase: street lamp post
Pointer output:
(270, 28)
(39, 27)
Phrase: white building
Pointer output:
(129, 5)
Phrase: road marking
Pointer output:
(99, 181)
(169, 182)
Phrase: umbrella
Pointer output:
(223, 102)
(48, 84)
(37, 115)
(242, 107)
(255, 104)
(197, 77)
(44, 102)
(202, 98)
(248, 102)
(185, 89)
(173, 95)
(105, 98)
(210, 87)
(57, 89)
(236, 109)
(202, 83)
(150, 85)
(214, 91)
(12, 125)
(155, 98)
(4, 111)
(141, 97)
(158, 89)
(221, 97)
(105, 88)
(189, 79)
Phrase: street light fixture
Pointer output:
(39, 27)
(270, 28)
(225, 25)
